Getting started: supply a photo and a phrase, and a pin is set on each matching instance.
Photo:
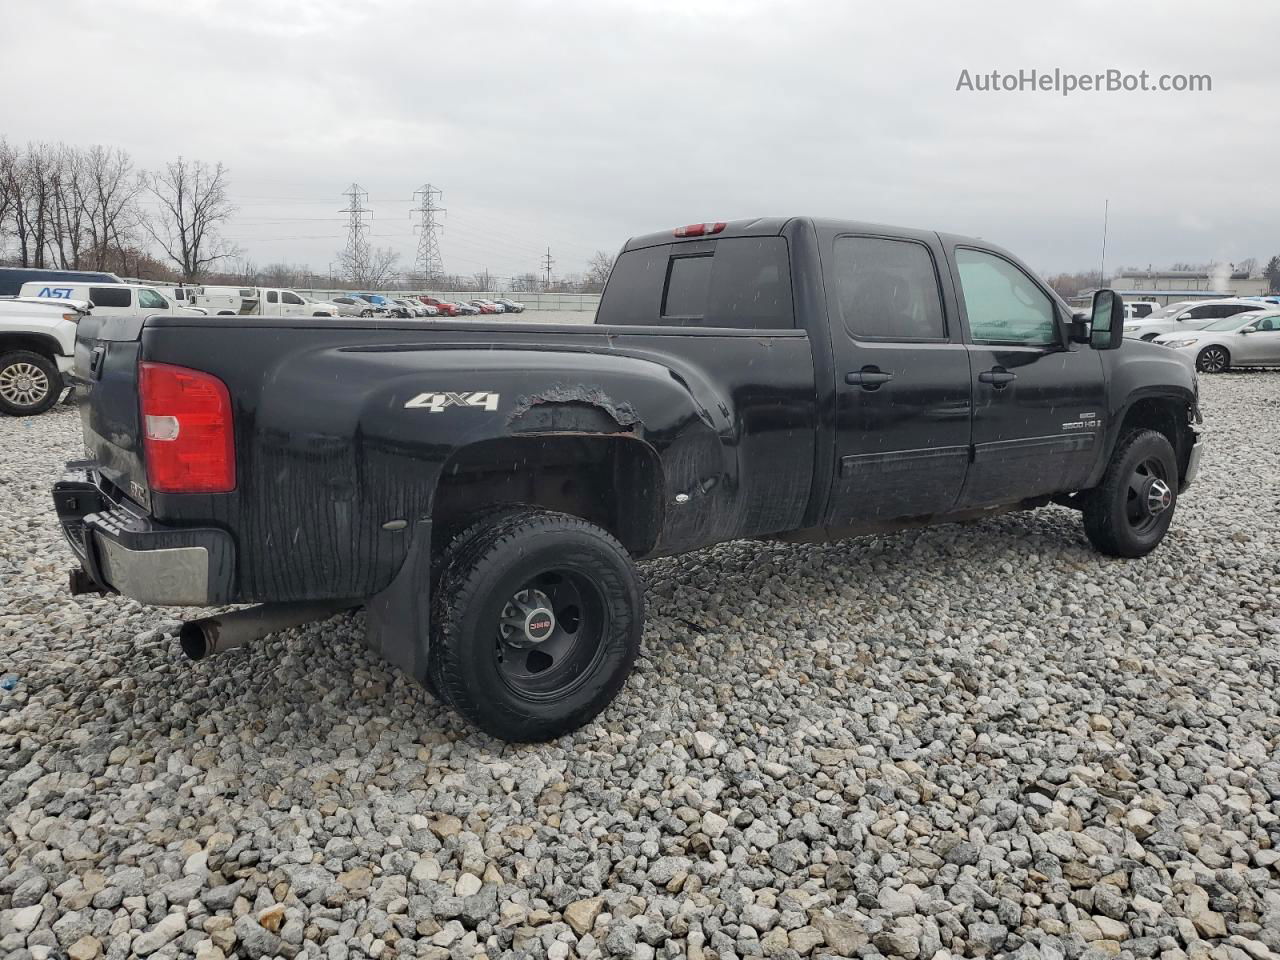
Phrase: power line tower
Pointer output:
(429, 260)
(355, 257)
(547, 264)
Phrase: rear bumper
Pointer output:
(121, 550)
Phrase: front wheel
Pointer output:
(537, 623)
(1213, 359)
(29, 383)
(1128, 514)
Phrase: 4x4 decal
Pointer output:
(438, 402)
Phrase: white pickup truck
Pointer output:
(37, 346)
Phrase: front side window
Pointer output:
(1004, 305)
(150, 300)
(887, 289)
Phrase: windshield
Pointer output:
(1236, 322)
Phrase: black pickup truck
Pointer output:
(483, 489)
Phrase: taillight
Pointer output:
(700, 229)
(186, 430)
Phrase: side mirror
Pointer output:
(1106, 321)
(1248, 329)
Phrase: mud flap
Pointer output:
(398, 620)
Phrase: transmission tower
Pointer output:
(355, 257)
(429, 260)
(547, 264)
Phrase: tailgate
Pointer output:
(106, 370)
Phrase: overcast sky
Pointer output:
(577, 124)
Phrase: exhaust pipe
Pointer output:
(226, 631)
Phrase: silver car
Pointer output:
(1245, 340)
(1194, 316)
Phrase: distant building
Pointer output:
(1167, 286)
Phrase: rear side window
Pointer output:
(888, 289)
(110, 296)
(273, 297)
(736, 282)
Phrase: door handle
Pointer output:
(869, 378)
(998, 377)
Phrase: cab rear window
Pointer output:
(736, 282)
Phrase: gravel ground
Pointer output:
(978, 740)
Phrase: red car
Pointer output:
(485, 306)
(446, 308)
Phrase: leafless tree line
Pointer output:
(75, 208)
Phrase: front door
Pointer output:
(1261, 345)
(1039, 402)
(901, 379)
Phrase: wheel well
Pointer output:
(1164, 415)
(613, 481)
(35, 342)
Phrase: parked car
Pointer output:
(12, 278)
(352, 306)
(391, 308)
(511, 305)
(443, 307)
(325, 308)
(1243, 340)
(37, 346)
(487, 306)
(467, 309)
(486, 500)
(1194, 316)
(415, 307)
(1138, 309)
(110, 299)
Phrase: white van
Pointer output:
(110, 299)
(260, 302)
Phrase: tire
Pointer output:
(366, 313)
(1213, 359)
(29, 383)
(1128, 514)
(537, 622)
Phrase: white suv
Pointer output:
(1189, 317)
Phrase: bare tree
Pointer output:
(598, 268)
(369, 267)
(110, 199)
(193, 207)
(34, 183)
(483, 280)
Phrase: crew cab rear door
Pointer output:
(1039, 401)
(901, 377)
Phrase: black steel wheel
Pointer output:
(29, 383)
(1213, 359)
(537, 623)
(1128, 514)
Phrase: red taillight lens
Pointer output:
(700, 229)
(186, 430)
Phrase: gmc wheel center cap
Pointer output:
(539, 624)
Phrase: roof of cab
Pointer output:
(773, 226)
(757, 227)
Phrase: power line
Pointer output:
(429, 260)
